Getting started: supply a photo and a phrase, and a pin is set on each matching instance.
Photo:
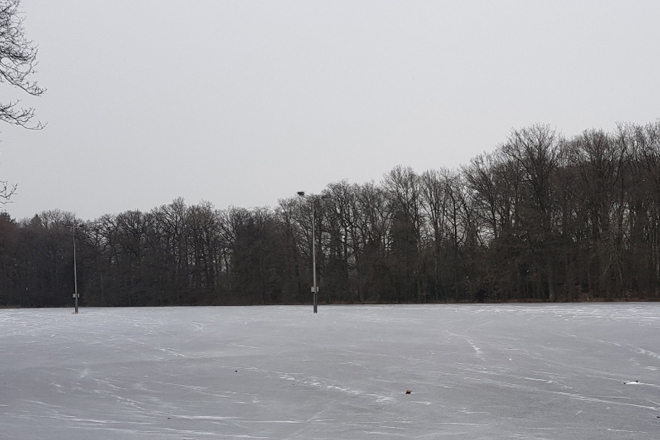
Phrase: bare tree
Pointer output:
(17, 64)
(600, 162)
(402, 186)
(6, 191)
(18, 59)
(434, 201)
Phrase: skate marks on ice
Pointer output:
(529, 371)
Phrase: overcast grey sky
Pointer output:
(246, 102)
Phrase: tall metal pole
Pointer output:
(75, 272)
(315, 288)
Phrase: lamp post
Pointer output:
(315, 287)
(75, 272)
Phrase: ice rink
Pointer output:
(543, 371)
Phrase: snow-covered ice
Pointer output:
(546, 371)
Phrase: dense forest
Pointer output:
(542, 218)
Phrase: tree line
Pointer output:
(542, 218)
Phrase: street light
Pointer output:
(315, 287)
(75, 272)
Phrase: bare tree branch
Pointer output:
(18, 60)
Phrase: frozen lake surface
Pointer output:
(546, 371)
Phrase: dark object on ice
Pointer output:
(235, 371)
(408, 391)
